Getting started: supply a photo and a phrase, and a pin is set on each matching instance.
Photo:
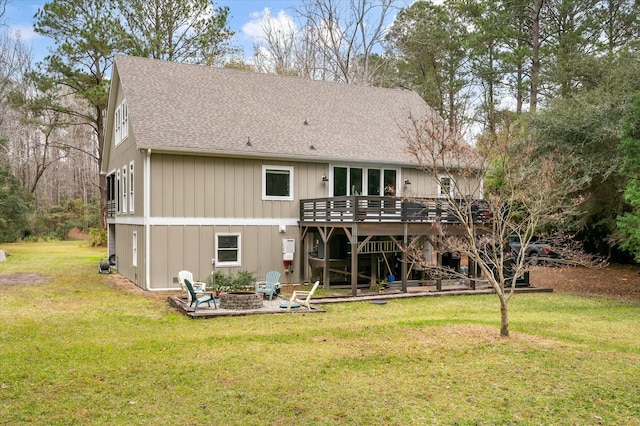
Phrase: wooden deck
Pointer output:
(360, 208)
(374, 224)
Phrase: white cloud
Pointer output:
(23, 32)
(254, 29)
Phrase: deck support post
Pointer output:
(374, 270)
(438, 263)
(327, 256)
(403, 268)
(354, 260)
(305, 256)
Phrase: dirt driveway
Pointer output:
(614, 280)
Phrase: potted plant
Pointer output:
(219, 282)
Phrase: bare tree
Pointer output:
(341, 35)
(15, 63)
(3, 7)
(276, 51)
(527, 191)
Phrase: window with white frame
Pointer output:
(125, 188)
(116, 126)
(134, 249)
(131, 186)
(445, 186)
(118, 189)
(277, 183)
(228, 249)
(121, 122)
(125, 120)
(364, 181)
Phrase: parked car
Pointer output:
(535, 252)
(508, 266)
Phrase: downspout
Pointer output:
(146, 213)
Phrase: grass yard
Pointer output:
(79, 350)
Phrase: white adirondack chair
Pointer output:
(303, 297)
(198, 287)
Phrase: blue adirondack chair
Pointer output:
(270, 286)
(199, 298)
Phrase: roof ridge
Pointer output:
(349, 86)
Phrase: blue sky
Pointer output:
(19, 17)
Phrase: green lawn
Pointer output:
(78, 351)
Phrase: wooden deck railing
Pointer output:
(386, 209)
(111, 208)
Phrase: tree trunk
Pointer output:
(535, 54)
(504, 318)
(102, 179)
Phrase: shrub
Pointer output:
(98, 237)
(241, 281)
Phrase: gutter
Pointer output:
(263, 155)
(145, 217)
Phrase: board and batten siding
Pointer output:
(187, 188)
(192, 247)
(423, 185)
(122, 155)
(124, 253)
(216, 187)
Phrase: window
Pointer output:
(134, 249)
(340, 183)
(445, 188)
(359, 181)
(131, 184)
(277, 183)
(125, 120)
(373, 179)
(125, 188)
(121, 122)
(116, 126)
(228, 249)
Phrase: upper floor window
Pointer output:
(445, 187)
(125, 120)
(277, 183)
(131, 186)
(364, 181)
(125, 188)
(116, 126)
(121, 122)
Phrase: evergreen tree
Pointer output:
(629, 222)
(177, 31)
(88, 34)
(15, 207)
(430, 44)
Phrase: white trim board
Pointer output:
(206, 221)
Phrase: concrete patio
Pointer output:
(268, 307)
(275, 306)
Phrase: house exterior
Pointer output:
(209, 167)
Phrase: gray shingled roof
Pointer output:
(194, 108)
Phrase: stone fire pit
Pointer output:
(239, 300)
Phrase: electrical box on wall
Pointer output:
(288, 248)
